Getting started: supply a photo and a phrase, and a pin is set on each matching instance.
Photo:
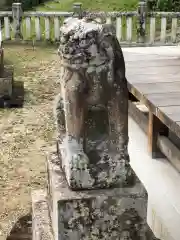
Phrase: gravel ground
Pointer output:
(26, 134)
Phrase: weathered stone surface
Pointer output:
(41, 224)
(6, 82)
(1, 59)
(92, 80)
(103, 169)
(118, 213)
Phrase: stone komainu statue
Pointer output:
(92, 76)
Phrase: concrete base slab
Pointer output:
(41, 223)
(155, 221)
(118, 213)
(161, 181)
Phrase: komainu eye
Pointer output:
(66, 49)
(90, 35)
(104, 44)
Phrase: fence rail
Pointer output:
(137, 27)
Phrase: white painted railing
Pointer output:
(131, 27)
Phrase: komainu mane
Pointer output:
(92, 78)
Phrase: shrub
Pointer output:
(164, 5)
(26, 4)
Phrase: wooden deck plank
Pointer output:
(174, 126)
(164, 99)
(155, 80)
(154, 63)
(151, 78)
(172, 112)
(138, 69)
(133, 57)
(163, 87)
(167, 120)
(163, 70)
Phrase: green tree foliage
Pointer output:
(164, 5)
(26, 4)
(153, 5)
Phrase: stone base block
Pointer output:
(1, 59)
(6, 82)
(41, 223)
(118, 213)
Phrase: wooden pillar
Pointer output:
(155, 128)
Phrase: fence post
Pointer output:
(141, 31)
(17, 19)
(77, 9)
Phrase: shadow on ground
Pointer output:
(17, 100)
(22, 229)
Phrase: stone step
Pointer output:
(41, 222)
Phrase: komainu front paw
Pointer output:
(79, 161)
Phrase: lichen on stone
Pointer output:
(92, 75)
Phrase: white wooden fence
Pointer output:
(138, 27)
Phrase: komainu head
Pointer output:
(85, 43)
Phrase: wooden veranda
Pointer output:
(153, 76)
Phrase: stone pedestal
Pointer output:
(118, 213)
(6, 81)
(1, 59)
(6, 85)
